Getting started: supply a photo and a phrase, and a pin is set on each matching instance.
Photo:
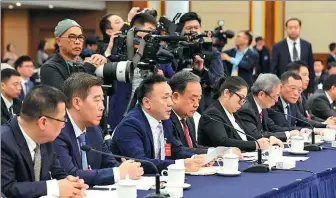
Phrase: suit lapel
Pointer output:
(74, 143)
(148, 131)
(23, 146)
(302, 49)
(178, 127)
(288, 50)
(44, 161)
(192, 131)
(4, 109)
(256, 112)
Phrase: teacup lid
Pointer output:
(230, 156)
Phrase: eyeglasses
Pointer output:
(242, 99)
(64, 121)
(74, 38)
(276, 99)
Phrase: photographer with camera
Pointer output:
(191, 23)
(121, 101)
(69, 38)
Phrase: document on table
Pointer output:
(145, 183)
(301, 159)
(101, 194)
(215, 153)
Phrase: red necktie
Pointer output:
(186, 133)
(261, 116)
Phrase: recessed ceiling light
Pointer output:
(51, 6)
(18, 4)
(10, 6)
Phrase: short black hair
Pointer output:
(78, 85)
(329, 82)
(294, 19)
(232, 83)
(140, 19)
(41, 100)
(189, 16)
(8, 73)
(331, 64)
(41, 45)
(258, 38)
(20, 60)
(178, 83)
(248, 35)
(146, 86)
(318, 60)
(91, 40)
(104, 25)
(332, 46)
(289, 74)
(296, 66)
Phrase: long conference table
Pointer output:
(277, 184)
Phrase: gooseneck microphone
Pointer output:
(259, 167)
(157, 193)
(312, 146)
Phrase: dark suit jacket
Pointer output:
(17, 168)
(281, 57)
(318, 104)
(281, 120)
(55, 71)
(68, 153)
(330, 59)
(320, 80)
(264, 60)
(245, 66)
(213, 133)
(179, 134)
(133, 138)
(249, 114)
(4, 111)
(30, 86)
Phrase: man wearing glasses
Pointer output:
(29, 165)
(84, 112)
(290, 91)
(69, 38)
(264, 94)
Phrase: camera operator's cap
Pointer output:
(64, 25)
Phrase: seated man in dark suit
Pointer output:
(25, 66)
(29, 166)
(242, 60)
(85, 109)
(220, 125)
(187, 93)
(320, 74)
(291, 88)
(332, 68)
(321, 102)
(264, 94)
(146, 131)
(10, 91)
(332, 56)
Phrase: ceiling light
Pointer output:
(51, 6)
(18, 4)
(10, 6)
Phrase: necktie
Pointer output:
(37, 162)
(295, 53)
(82, 142)
(261, 116)
(186, 133)
(10, 111)
(289, 118)
(160, 153)
(27, 88)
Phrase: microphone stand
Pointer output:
(157, 193)
(259, 167)
(309, 147)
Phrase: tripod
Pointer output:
(107, 90)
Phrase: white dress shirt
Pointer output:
(79, 132)
(290, 43)
(235, 125)
(52, 185)
(8, 104)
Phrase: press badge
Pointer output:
(167, 149)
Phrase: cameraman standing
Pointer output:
(191, 23)
(69, 38)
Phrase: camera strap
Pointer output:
(135, 58)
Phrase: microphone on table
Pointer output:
(157, 193)
(259, 167)
(312, 146)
